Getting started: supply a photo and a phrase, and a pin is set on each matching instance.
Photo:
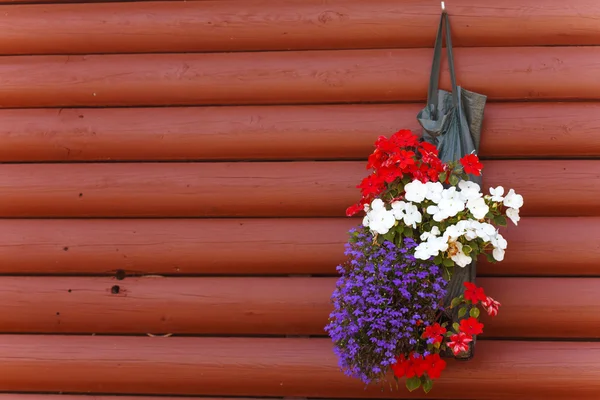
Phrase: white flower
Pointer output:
(415, 191)
(366, 221)
(434, 191)
(453, 232)
(513, 200)
(460, 258)
(498, 254)
(497, 193)
(425, 250)
(513, 214)
(485, 231)
(451, 203)
(438, 243)
(499, 242)
(381, 221)
(469, 190)
(435, 231)
(398, 209)
(412, 215)
(438, 214)
(377, 204)
(478, 207)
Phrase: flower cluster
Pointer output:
(383, 294)
(422, 218)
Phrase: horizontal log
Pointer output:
(288, 25)
(279, 133)
(287, 246)
(278, 367)
(298, 189)
(532, 73)
(531, 307)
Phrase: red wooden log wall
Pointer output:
(108, 239)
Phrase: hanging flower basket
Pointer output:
(406, 298)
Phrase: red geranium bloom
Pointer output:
(471, 164)
(372, 184)
(376, 159)
(473, 293)
(401, 366)
(434, 332)
(402, 159)
(435, 365)
(459, 342)
(491, 306)
(471, 326)
(355, 209)
(430, 148)
(417, 366)
(404, 138)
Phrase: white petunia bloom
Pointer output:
(381, 221)
(377, 204)
(439, 243)
(498, 254)
(412, 215)
(425, 250)
(497, 193)
(438, 214)
(513, 200)
(485, 231)
(366, 221)
(460, 258)
(399, 209)
(435, 231)
(415, 191)
(478, 208)
(499, 242)
(513, 214)
(451, 203)
(469, 190)
(453, 232)
(434, 191)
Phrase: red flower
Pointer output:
(473, 293)
(471, 164)
(401, 366)
(459, 342)
(435, 365)
(434, 332)
(402, 159)
(471, 326)
(372, 184)
(404, 138)
(376, 159)
(413, 366)
(429, 148)
(355, 209)
(491, 306)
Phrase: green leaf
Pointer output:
(474, 312)
(427, 383)
(462, 311)
(467, 249)
(448, 262)
(438, 259)
(413, 383)
(408, 232)
(453, 180)
(490, 258)
(389, 236)
(443, 177)
(455, 302)
(500, 220)
(456, 326)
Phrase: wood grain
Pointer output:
(151, 27)
(265, 306)
(287, 189)
(277, 367)
(511, 130)
(287, 246)
(301, 77)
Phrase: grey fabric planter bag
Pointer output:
(452, 121)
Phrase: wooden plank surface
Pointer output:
(531, 307)
(298, 189)
(151, 27)
(527, 130)
(278, 367)
(287, 246)
(535, 73)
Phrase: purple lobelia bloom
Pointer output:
(382, 292)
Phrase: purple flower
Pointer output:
(382, 292)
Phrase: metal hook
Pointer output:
(443, 6)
